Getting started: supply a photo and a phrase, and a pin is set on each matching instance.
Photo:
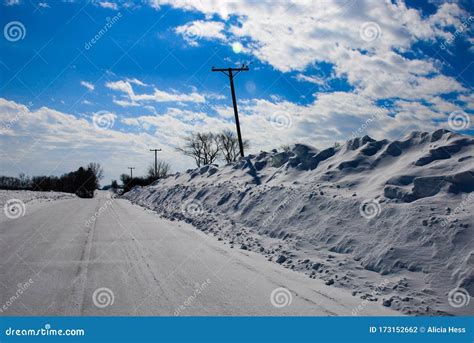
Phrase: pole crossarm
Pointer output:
(231, 71)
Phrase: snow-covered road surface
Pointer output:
(140, 264)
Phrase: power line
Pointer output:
(230, 73)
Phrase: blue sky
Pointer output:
(105, 81)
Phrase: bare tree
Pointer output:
(285, 147)
(97, 169)
(229, 145)
(202, 147)
(162, 170)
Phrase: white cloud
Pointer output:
(88, 85)
(136, 82)
(61, 142)
(194, 31)
(133, 99)
(108, 4)
(46, 141)
(468, 101)
(292, 35)
(43, 4)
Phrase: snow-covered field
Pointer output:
(8, 200)
(391, 221)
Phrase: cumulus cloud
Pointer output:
(194, 31)
(365, 41)
(368, 44)
(62, 141)
(46, 141)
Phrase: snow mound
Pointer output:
(361, 215)
(32, 196)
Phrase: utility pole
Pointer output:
(231, 73)
(156, 160)
(131, 172)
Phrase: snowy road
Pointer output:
(149, 265)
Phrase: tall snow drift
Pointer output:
(392, 220)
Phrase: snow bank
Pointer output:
(31, 196)
(390, 220)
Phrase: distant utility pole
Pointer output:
(156, 160)
(131, 172)
(230, 73)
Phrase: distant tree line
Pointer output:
(207, 147)
(82, 182)
(162, 170)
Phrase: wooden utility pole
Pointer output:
(156, 160)
(231, 73)
(131, 172)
